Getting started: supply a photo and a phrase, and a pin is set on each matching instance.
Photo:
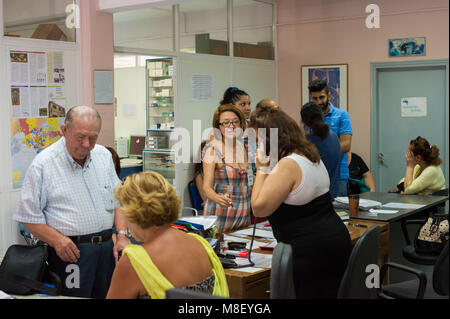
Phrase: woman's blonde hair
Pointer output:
(147, 199)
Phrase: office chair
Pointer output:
(419, 289)
(409, 252)
(364, 253)
(181, 293)
(282, 273)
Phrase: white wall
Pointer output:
(129, 88)
(256, 77)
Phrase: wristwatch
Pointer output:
(126, 233)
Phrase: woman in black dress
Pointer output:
(300, 210)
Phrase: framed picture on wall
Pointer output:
(407, 47)
(336, 76)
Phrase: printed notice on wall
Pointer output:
(414, 106)
(202, 87)
(31, 74)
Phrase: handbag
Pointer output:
(432, 235)
(24, 267)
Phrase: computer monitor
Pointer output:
(137, 144)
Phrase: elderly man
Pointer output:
(67, 201)
(267, 103)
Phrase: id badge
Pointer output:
(250, 176)
(108, 198)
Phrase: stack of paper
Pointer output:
(364, 204)
(200, 222)
(343, 215)
(258, 233)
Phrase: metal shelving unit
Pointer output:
(157, 155)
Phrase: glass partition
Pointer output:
(150, 28)
(252, 29)
(41, 19)
(203, 27)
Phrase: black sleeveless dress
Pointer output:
(320, 242)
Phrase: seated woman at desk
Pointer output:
(423, 172)
(168, 257)
(295, 198)
(227, 173)
(361, 179)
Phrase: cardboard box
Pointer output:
(49, 32)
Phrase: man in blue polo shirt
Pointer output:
(339, 122)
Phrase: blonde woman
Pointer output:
(168, 257)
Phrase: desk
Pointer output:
(128, 169)
(246, 285)
(384, 198)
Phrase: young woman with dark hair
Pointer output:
(238, 98)
(423, 174)
(295, 198)
(327, 142)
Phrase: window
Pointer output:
(40, 19)
(150, 28)
(252, 29)
(203, 27)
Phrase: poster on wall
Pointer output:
(38, 106)
(36, 84)
(336, 76)
(407, 47)
(28, 137)
(202, 87)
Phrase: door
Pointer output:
(392, 132)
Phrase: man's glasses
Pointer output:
(228, 123)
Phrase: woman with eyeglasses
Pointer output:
(228, 177)
(423, 172)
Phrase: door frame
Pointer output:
(375, 67)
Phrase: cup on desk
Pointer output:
(353, 204)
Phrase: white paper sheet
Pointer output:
(206, 221)
(363, 203)
(403, 205)
(258, 233)
(382, 211)
(249, 269)
(122, 147)
(4, 295)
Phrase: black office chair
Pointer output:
(182, 293)
(419, 288)
(409, 252)
(282, 273)
(364, 253)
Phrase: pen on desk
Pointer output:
(358, 225)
